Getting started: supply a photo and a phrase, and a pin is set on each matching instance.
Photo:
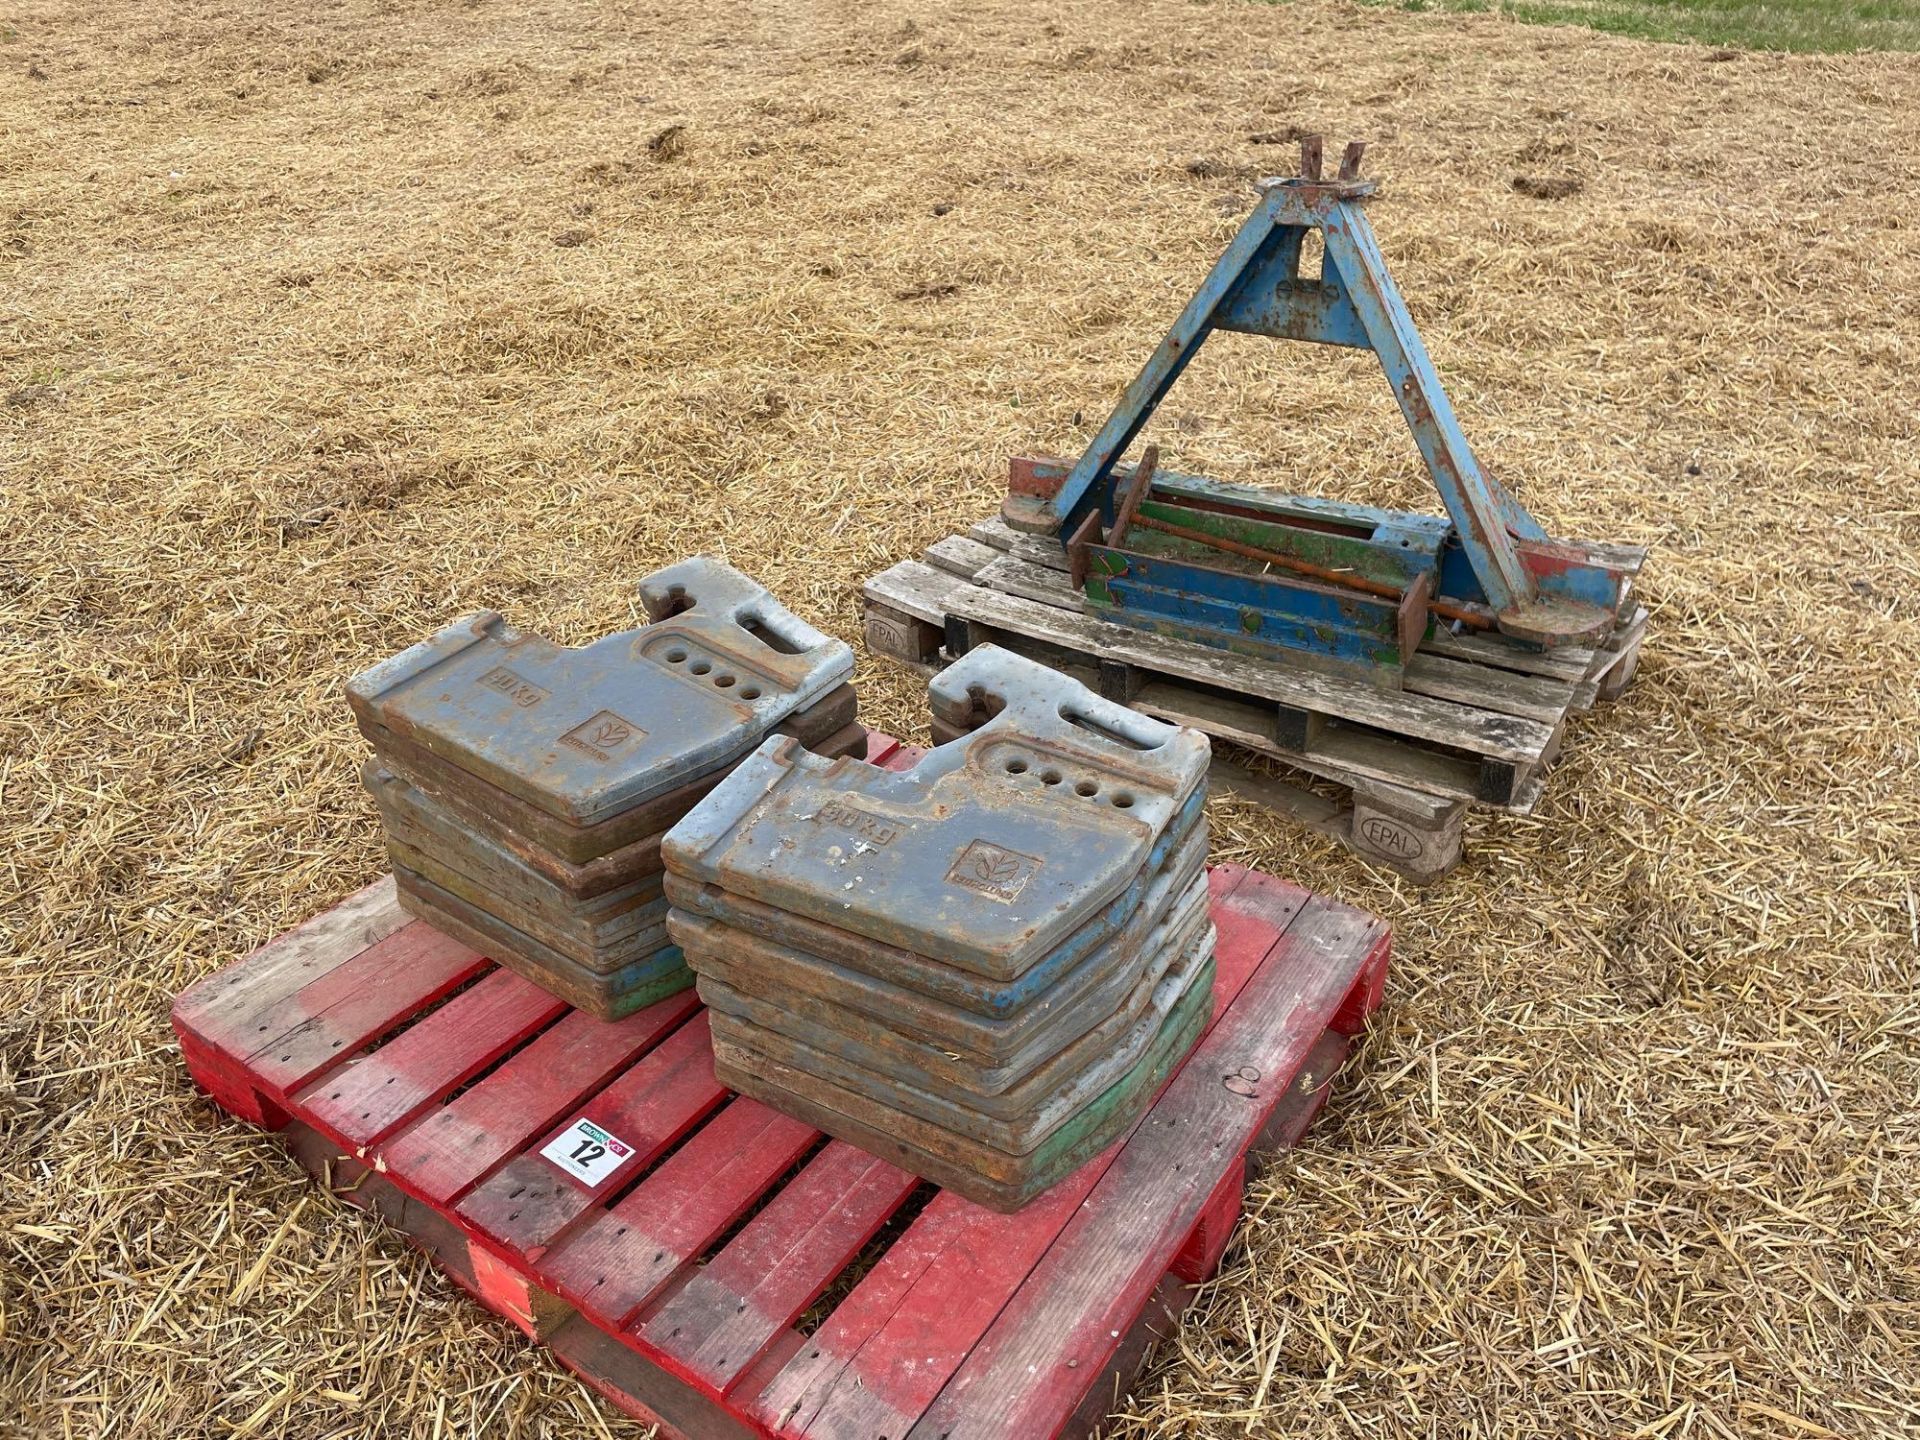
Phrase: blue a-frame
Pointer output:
(1493, 566)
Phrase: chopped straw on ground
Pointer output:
(325, 324)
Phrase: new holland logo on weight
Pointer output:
(992, 870)
(602, 735)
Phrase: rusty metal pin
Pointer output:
(1137, 489)
(1350, 160)
(1310, 153)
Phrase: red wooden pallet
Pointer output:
(416, 1079)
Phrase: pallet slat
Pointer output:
(530, 1203)
(732, 1310)
(1037, 549)
(1022, 1379)
(1533, 697)
(211, 1008)
(961, 556)
(1032, 582)
(1568, 664)
(627, 1254)
(888, 1348)
(1502, 737)
(440, 1157)
(325, 1021)
(376, 1096)
(915, 589)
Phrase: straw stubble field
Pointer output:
(326, 324)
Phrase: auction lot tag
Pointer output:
(586, 1152)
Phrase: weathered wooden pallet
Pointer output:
(684, 1278)
(1478, 722)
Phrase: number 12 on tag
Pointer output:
(586, 1152)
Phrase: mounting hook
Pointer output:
(1312, 148)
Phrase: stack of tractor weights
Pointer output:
(525, 786)
(980, 968)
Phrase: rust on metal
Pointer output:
(827, 727)
(1470, 615)
(525, 786)
(1311, 149)
(991, 958)
(1085, 534)
(1138, 486)
(588, 732)
(1504, 571)
(1025, 477)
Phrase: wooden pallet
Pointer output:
(1478, 722)
(418, 1081)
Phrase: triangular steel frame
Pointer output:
(1256, 288)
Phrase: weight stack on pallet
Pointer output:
(525, 786)
(980, 968)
